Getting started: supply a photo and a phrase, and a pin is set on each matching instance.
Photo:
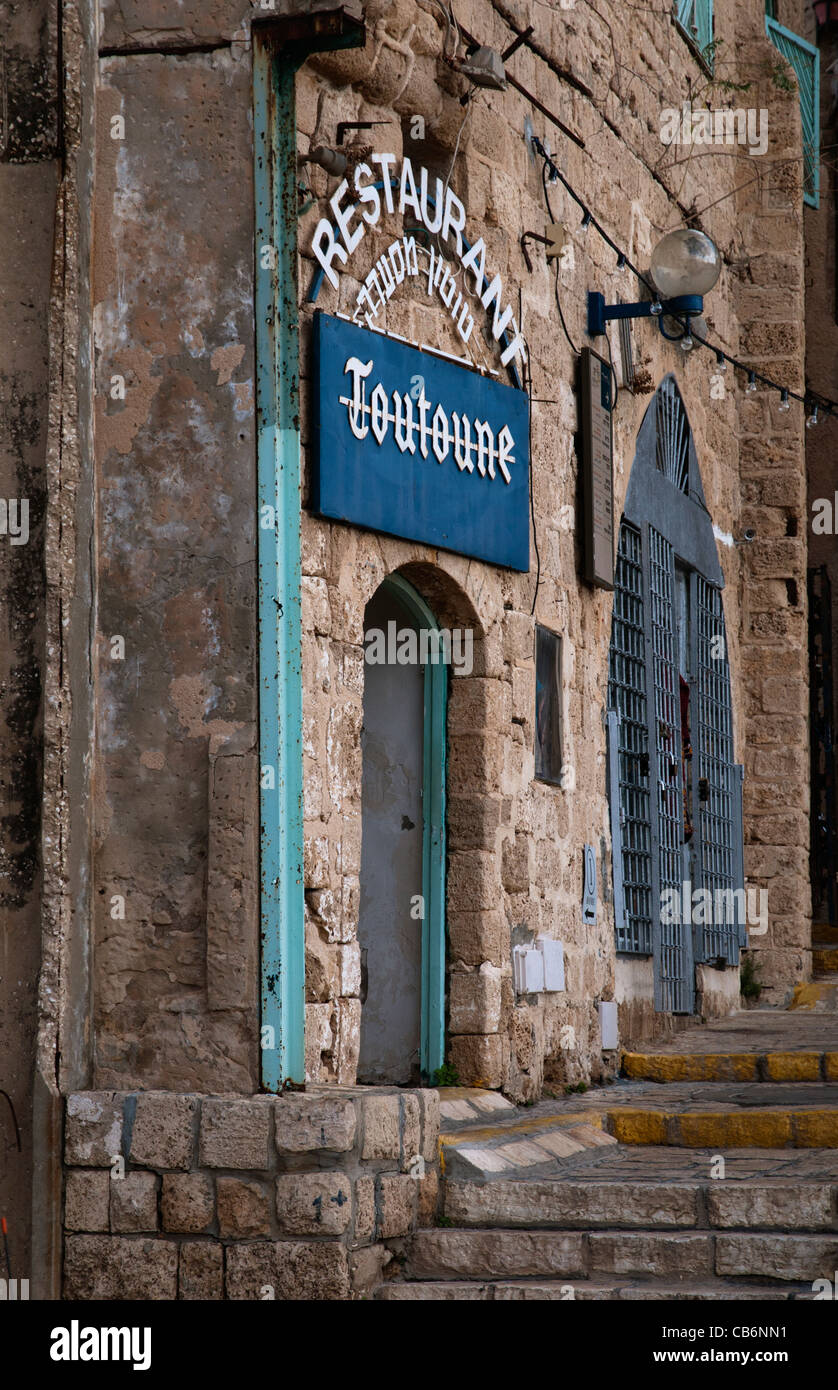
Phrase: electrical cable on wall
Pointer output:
(532, 489)
(812, 400)
(574, 348)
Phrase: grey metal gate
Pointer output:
(631, 797)
(672, 436)
(714, 791)
(676, 813)
(674, 977)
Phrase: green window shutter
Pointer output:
(696, 19)
(804, 59)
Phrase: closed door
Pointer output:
(390, 923)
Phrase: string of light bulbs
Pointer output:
(814, 401)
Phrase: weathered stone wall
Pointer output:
(770, 304)
(515, 864)
(29, 137)
(264, 1197)
(176, 806)
(175, 768)
(822, 366)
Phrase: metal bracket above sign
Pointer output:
(597, 467)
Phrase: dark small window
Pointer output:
(548, 706)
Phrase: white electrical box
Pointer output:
(527, 970)
(608, 1026)
(538, 968)
(553, 953)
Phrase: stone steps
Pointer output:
(471, 1105)
(617, 1204)
(526, 1150)
(671, 1258)
(588, 1291)
(623, 1194)
(484, 1136)
(802, 1113)
(815, 997)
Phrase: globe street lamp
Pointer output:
(685, 266)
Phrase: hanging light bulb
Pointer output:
(812, 419)
(586, 220)
(686, 343)
(752, 383)
(785, 403)
(721, 362)
(656, 308)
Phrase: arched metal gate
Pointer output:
(675, 791)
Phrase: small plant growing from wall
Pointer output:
(749, 983)
(779, 73)
(446, 1075)
(711, 54)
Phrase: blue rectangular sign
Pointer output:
(419, 447)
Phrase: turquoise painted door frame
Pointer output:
(282, 921)
(281, 890)
(432, 1045)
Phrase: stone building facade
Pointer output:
(821, 346)
(208, 934)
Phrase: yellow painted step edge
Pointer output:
(752, 1129)
(681, 1066)
(725, 1066)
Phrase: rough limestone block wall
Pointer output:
(502, 824)
(258, 1197)
(175, 778)
(822, 367)
(770, 299)
(28, 185)
(176, 806)
(492, 872)
(157, 22)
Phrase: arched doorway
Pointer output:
(675, 791)
(401, 927)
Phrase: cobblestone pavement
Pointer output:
(756, 1030)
